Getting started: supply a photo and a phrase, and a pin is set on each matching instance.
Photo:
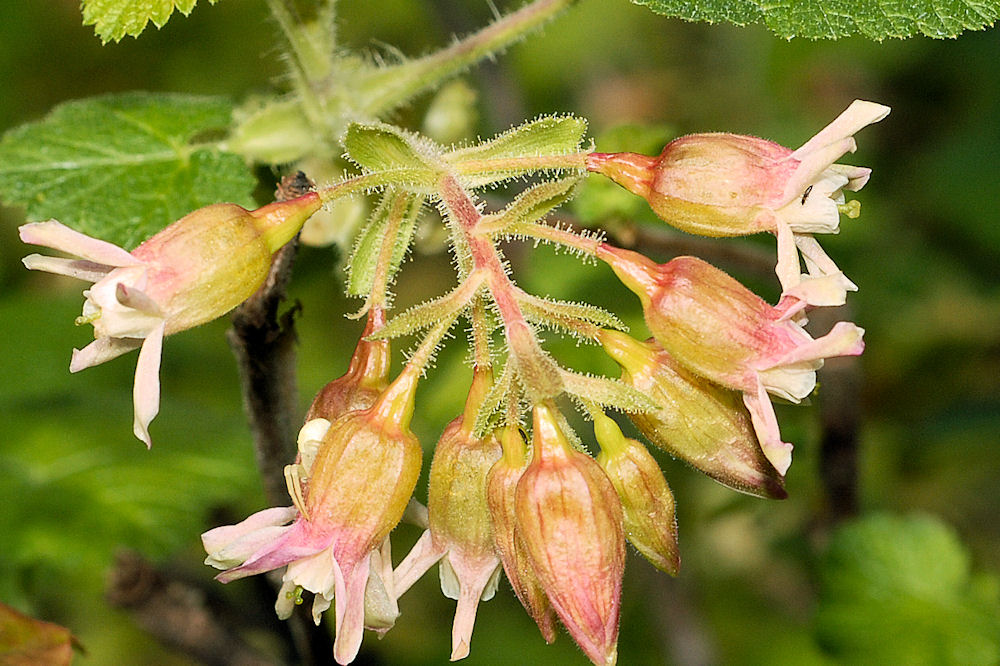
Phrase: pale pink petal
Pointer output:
(858, 115)
(146, 391)
(812, 166)
(788, 270)
(349, 599)
(220, 537)
(765, 425)
(60, 237)
(74, 268)
(822, 291)
(421, 557)
(297, 543)
(844, 339)
(101, 350)
(473, 584)
(237, 551)
(857, 177)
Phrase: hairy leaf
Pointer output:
(607, 392)
(832, 19)
(364, 258)
(379, 147)
(113, 19)
(122, 167)
(530, 206)
(567, 314)
(495, 160)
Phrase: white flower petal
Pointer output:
(60, 237)
(858, 115)
(146, 391)
(75, 268)
(101, 350)
(765, 425)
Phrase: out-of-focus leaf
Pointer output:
(122, 167)
(899, 591)
(113, 19)
(832, 19)
(25, 641)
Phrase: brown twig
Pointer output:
(264, 345)
(176, 613)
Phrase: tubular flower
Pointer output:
(501, 495)
(732, 185)
(197, 269)
(698, 421)
(460, 533)
(647, 503)
(719, 329)
(360, 479)
(570, 518)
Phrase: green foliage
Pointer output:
(122, 167)
(113, 19)
(833, 19)
(906, 579)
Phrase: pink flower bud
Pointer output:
(716, 327)
(197, 269)
(570, 518)
(460, 533)
(647, 503)
(700, 422)
(733, 185)
(359, 481)
(501, 496)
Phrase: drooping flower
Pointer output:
(732, 185)
(647, 503)
(702, 423)
(197, 269)
(719, 329)
(570, 519)
(350, 490)
(501, 496)
(460, 533)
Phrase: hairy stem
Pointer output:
(386, 88)
(538, 374)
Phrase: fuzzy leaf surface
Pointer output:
(113, 19)
(378, 147)
(122, 167)
(833, 19)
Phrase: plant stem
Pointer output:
(538, 374)
(386, 88)
(528, 163)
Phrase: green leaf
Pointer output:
(899, 591)
(113, 19)
(495, 160)
(379, 147)
(530, 206)
(364, 257)
(832, 19)
(122, 167)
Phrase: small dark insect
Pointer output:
(805, 195)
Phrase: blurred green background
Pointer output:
(759, 582)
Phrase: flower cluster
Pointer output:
(541, 508)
